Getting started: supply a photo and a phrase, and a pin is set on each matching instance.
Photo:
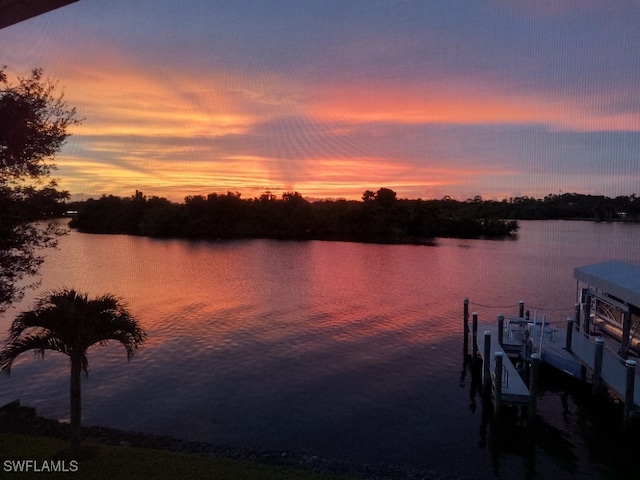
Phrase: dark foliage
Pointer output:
(70, 322)
(34, 125)
(380, 218)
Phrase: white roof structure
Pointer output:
(622, 280)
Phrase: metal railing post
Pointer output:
(533, 386)
(486, 358)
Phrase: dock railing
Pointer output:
(505, 377)
(614, 369)
(567, 347)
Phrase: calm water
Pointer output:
(344, 350)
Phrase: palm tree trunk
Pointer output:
(75, 396)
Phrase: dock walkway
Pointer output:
(577, 362)
(550, 343)
(514, 390)
(593, 345)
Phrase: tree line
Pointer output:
(568, 206)
(380, 217)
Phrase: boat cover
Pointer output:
(620, 279)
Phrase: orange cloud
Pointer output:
(452, 102)
(173, 133)
(125, 101)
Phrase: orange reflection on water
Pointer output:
(213, 296)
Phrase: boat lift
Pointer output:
(596, 345)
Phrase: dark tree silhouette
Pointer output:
(368, 196)
(381, 217)
(385, 197)
(70, 322)
(34, 124)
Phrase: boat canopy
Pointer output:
(619, 279)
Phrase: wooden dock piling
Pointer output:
(475, 333)
(596, 382)
(629, 390)
(465, 326)
(500, 329)
(569, 334)
(497, 381)
(486, 359)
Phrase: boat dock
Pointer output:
(589, 358)
(514, 391)
(503, 373)
(594, 345)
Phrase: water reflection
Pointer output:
(344, 350)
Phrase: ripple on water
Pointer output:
(345, 350)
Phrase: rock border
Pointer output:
(15, 418)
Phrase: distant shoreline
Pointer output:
(379, 218)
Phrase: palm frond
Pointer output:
(122, 327)
(38, 342)
(75, 322)
(34, 319)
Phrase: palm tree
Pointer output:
(70, 322)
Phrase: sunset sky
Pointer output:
(497, 98)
